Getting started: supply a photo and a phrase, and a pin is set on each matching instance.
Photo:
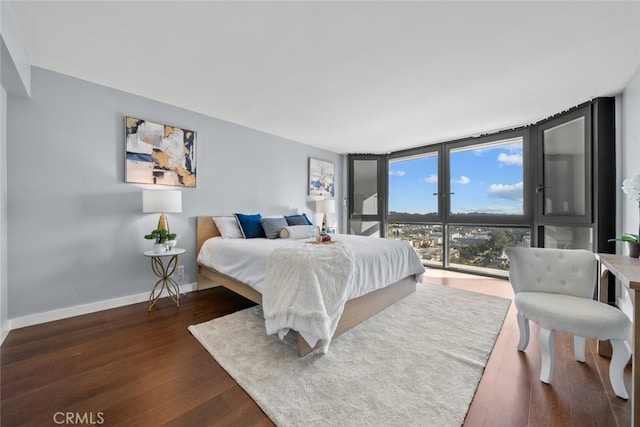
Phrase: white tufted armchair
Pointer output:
(555, 288)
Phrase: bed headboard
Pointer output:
(205, 229)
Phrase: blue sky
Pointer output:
(486, 179)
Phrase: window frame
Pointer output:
(416, 218)
(542, 218)
(489, 219)
(381, 182)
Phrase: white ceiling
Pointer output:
(363, 76)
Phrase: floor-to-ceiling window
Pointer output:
(460, 204)
(488, 201)
(416, 201)
(366, 188)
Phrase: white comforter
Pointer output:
(306, 290)
(378, 262)
(373, 263)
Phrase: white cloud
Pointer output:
(432, 179)
(506, 191)
(397, 173)
(510, 159)
(463, 180)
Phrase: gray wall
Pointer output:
(629, 217)
(4, 315)
(15, 78)
(75, 228)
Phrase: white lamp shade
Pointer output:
(161, 201)
(326, 206)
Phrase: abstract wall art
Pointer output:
(159, 154)
(321, 178)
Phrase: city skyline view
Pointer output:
(485, 179)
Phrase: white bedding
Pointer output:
(304, 286)
(378, 262)
(306, 290)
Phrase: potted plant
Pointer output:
(631, 242)
(160, 237)
(631, 187)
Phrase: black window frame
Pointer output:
(416, 218)
(488, 219)
(382, 172)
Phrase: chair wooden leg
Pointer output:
(523, 324)
(579, 344)
(619, 358)
(547, 349)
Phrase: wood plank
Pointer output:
(145, 368)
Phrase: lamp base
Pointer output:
(162, 223)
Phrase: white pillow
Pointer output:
(228, 227)
(298, 231)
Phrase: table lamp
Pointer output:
(162, 201)
(324, 207)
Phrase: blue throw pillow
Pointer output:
(272, 226)
(250, 225)
(298, 220)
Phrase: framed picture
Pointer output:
(321, 178)
(159, 154)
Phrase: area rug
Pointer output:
(417, 362)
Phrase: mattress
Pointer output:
(378, 262)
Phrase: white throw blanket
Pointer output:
(306, 289)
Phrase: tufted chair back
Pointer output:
(561, 271)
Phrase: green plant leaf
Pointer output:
(627, 237)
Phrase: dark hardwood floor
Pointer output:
(510, 392)
(126, 366)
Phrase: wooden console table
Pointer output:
(627, 271)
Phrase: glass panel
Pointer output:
(364, 228)
(365, 187)
(481, 249)
(413, 185)
(487, 179)
(564, 169)
(568, 237)
(426, 240)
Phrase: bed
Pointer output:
(356, 309)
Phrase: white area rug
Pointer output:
(418, 362)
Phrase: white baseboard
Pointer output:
(78, 310)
